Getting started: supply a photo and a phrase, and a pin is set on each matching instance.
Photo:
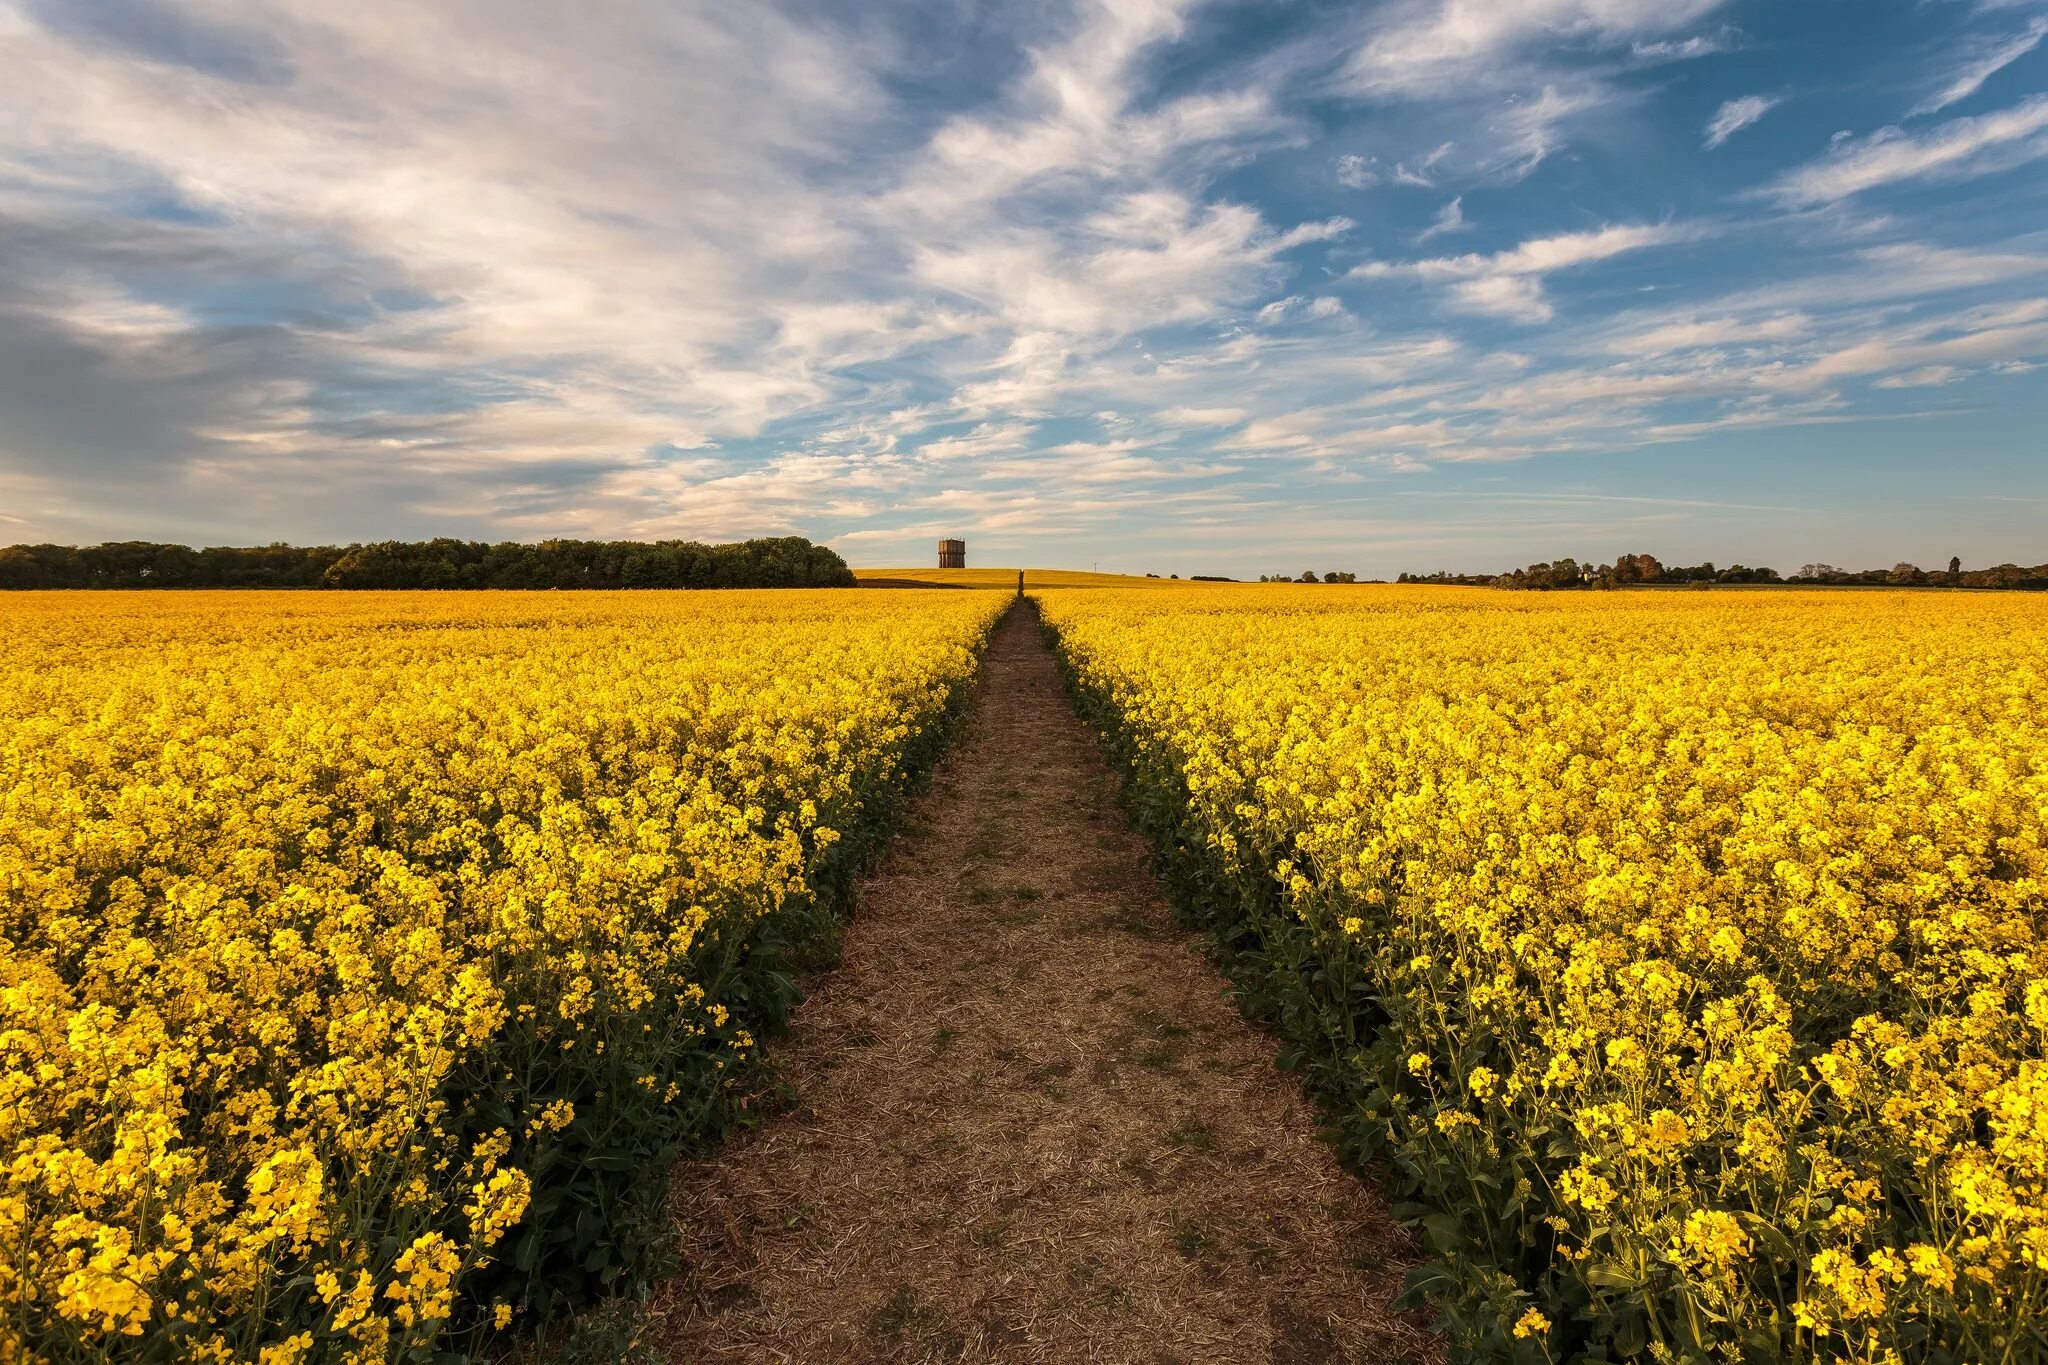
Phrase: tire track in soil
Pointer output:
(1028, 1124)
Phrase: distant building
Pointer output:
(952, 554)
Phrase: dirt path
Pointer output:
(1030, 1126)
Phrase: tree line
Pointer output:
(1642, 568)
(774, 562)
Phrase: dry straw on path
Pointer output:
(1029, 1125)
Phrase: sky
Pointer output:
(1149, 285)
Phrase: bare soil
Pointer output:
(1028, 1123)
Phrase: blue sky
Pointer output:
(1193, 287)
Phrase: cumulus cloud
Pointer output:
(1735, 115)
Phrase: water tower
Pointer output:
(952, 554)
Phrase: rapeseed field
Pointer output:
(1681, 957)
(364, 960)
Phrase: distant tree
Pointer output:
(1569, 573)
(27, 566)
(1637, 569)
(788, 561)
(1446, 576)
(1308, 576)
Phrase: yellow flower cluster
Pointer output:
(325, 921)
(1702, 978)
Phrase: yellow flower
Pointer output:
(294, 873)
(1742, 889)
(1667, 1130)
(425, 1288)
(1713, 1240)
(498, 1203)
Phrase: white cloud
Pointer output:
(989, 438)
(1953, 150)
(1508, 283)
(1072, 117)
(530, 274)
(1982, 67)
(601, 285)
(1420, 174)
(1145, 260)
(1930, 376)
(2000, 333)
(1321, 230)
(1293, 305)
(1895, 271)
(1426, 44)
(1449, 218)
(1509, 296)
(1507, 78)
(1526, 132)
(1201, 417)
(1735, 115)
(1275, 311)
(1356, 172)
(1690, 334)
(1684, 49)
(1537, 256)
